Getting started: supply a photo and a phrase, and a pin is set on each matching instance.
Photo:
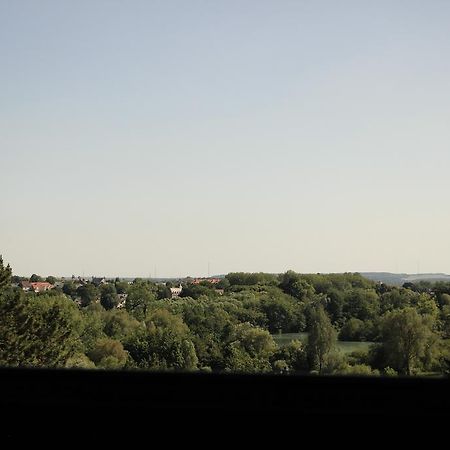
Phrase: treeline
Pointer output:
(231, 331)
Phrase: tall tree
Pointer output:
(109, 298)
(407, 337)
(322, 338)
(163, 291)
(5, 274)
(88, 293)
(69, 289)
(35, 278)
(50, 279)
(140, 297)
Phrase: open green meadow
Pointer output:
(344, 346)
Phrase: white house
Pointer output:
(176, 291)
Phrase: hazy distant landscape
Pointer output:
(398, 279)
(394, 279)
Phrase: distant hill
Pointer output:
(398, 279)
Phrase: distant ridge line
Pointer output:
(398, 279)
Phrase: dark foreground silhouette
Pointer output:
(117, 392)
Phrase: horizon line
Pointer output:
(224, 274)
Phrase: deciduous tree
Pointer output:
(406, 337)
(109, 298)
(321, 339)
(35, 278)
(164, 344)
(108, 354)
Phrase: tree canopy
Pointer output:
(244, 328)
(322, 338)
(38, 333)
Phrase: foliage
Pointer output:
(407, 338)
(140, 297)
(5, 274)
(282, 313)
(163, 345)
(249, 350)
(50, 279)
(93, 319)
(36, 278)
(445, 321)
(357, 330)
(197, 290)
(122, 287)
(249, 279)
(70, 289)
(163, 291)
(44, 332)
(79, 361)
(202, 330)
(334, 363)
(321, 339)
(88, 293)
(335, 305)
(109, 298)
(396, 299)
(294, 355)
(362, 304)
(280, 366)
(108, 354)
(118, 324)
(295, 285)
(359, 370)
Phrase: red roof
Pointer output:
(210, 280)
(41, 286)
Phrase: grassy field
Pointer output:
(344, 346)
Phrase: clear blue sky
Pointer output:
(256, 135)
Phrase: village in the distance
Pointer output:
(38, 285)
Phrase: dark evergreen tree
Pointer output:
(5, 274)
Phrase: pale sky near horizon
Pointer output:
(145, 136)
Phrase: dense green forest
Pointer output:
(229, 326)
